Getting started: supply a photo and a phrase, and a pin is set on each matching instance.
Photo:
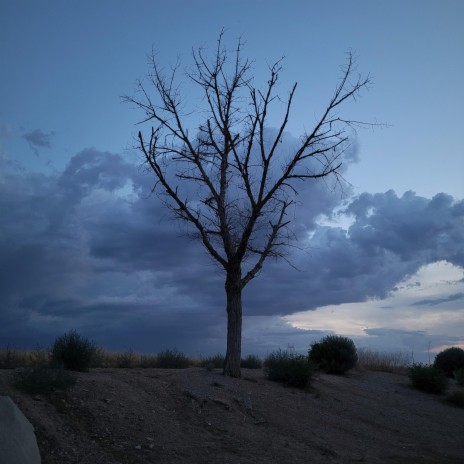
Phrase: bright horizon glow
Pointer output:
(402, 311)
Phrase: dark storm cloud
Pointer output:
(390, 239)
(92, 249)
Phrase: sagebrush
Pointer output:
(251, 362)
(74, 352)
(215, 361)
(333, 354)
(450, 360)
(428, 379)
(289, 367)
(172, 359)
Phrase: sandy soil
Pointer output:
(194, 416)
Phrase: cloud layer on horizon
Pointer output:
(90, 248)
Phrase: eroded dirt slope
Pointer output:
(196, 416)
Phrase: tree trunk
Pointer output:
(234, 322)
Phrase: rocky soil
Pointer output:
(166, 416)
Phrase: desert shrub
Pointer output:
(428, 379)
(372, 360)
(251, 362)
(148, 360)
(102, 358)
(172, 359)
(459, 376)
(40, 357)
(288, 367)
(74, 352)
(10, 359)
(456, 398)
(333, 354)
(450, 360)
(216, 361)
(126, 360)
(43, 380)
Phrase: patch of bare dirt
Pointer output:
(132, 416)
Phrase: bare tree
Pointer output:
(244, 184)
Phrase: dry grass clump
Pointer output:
(168, 359)
(43, 358)
(12, 359)
(370, 360)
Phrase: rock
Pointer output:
(18, 444)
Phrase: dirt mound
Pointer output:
(195, 416)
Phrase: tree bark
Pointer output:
(234, 322)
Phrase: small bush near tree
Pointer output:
(43, 380)
(251, 362)
(428, 379)
(333, 354)
(450, 360)
(215, 361)
(289, 367)
(74, 352)
(172, 359)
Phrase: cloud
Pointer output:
(91, 248)
(5, 130)
(38, 139)
(439, 301)
(389, 239)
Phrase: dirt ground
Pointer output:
(194, 416)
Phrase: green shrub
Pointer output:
(450, 360)
(43, 380)
(333, 354)
(251, 362)
(428, 379)
(289, 367)
(172, 359)
(456, 398)
(74, 352)
(216, 361)
(459, 376)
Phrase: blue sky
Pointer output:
(80, 250)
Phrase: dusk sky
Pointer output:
(85, 246)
